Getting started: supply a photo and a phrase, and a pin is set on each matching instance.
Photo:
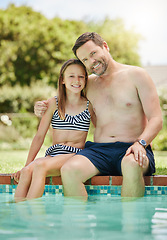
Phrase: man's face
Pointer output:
(94, 57)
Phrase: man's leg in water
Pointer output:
(74, 173)
(133, 182)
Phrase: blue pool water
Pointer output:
(100, 217)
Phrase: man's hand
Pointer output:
(40, 108)
(16, 176)
(139, 154)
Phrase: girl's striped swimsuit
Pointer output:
(79, 122)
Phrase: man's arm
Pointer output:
(151, 106)
(150, 102)
(40, 108)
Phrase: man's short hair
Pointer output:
(85, 37)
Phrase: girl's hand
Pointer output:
(40, 108)
(16, 176)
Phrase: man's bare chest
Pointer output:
(113, 98)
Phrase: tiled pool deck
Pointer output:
(155, 185)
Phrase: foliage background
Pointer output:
(32, 50)
(33, 47)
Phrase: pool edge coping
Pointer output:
(156, 180)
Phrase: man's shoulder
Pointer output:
(138, 75)
(91, 80)
(137, 69)
(134, 71)
(92, 77)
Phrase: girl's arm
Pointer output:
(39, 137)
(92, 113)
(42, 130)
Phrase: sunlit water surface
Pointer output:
(100, 217)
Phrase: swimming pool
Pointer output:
(101, 217)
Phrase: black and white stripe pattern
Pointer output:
(58, 149)
(80, 122)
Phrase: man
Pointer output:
(128, 117)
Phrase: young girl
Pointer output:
(69, 114)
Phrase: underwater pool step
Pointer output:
(157, 180)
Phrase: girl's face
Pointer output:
(74, 78)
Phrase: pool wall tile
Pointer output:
(91, 189)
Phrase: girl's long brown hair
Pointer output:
(62, 88)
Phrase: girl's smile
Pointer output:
(74, 78)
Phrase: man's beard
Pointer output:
(103, 66)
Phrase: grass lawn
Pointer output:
(13, 160)
(161, 162)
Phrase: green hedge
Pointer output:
(160, 142)
(19, 135)
(19, 99)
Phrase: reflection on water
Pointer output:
(159, 223)
(101, 217)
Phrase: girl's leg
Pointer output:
(48, 166)
(24, 183)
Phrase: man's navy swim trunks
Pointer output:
(107, 157)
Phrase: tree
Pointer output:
(33, 47)
(123, 43)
